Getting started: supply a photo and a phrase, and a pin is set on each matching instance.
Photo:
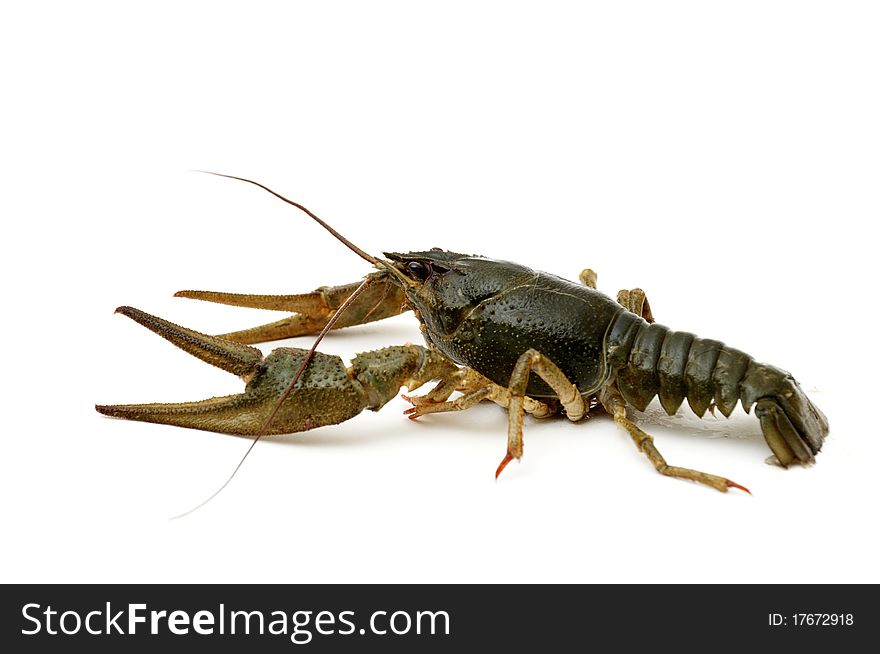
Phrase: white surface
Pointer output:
(724, 159)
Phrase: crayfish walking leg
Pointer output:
(633, 300)
(475, 389)
(616, 406)
(572, 401)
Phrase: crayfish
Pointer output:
(495, 331)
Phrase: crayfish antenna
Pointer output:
(351, 246)
(379, 263)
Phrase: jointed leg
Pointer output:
(616, 406)
(571, 400)
(466, 401)
(476, 388)
(440, 393)
(588, 277)
(632, 300)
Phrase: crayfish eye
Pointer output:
(419, 270)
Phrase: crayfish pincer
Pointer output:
(495, 331)
(326, 394)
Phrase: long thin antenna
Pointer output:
(264, 428)
(354, 248)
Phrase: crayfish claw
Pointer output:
(236, 358)
(312, 311)
(325, 394)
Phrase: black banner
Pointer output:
(434, 618)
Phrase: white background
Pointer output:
(723, 156)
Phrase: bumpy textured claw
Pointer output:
(326, 393)
(312, 310)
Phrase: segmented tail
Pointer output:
(652, 360)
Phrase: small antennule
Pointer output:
(354, 248)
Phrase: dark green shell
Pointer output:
(564, 321)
